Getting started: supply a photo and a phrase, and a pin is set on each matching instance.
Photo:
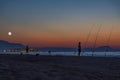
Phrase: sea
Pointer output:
(95, 54)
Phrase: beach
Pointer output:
(31, 67)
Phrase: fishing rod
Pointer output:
(94, 45)
(108, 41)
(88, 37)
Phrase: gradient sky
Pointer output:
(60, 23)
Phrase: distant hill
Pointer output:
(104, 48)
(101, 49)
(8, 45)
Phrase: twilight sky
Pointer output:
(60, 23)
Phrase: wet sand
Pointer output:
(28, 67)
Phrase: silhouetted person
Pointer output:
(21, 53)
(27, 49)
(49, 52)
(37, 54)
(79, 48)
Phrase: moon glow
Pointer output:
(9, 33)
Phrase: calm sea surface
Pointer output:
(97, 54)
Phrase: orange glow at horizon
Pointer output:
(65, 41)
(64, 35)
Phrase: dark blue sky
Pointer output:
(49, 8)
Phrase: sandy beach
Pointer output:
(29, 67)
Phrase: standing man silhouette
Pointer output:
(79, 48)
(27, 49)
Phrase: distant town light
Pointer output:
(4, 50)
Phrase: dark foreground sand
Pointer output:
(27, 67)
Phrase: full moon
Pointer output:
(9, 33)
